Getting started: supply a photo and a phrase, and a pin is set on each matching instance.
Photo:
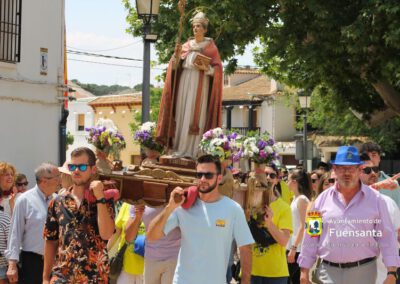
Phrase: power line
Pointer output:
(112, 64)
(101, 55)
(101, 50)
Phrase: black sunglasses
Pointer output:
(207, 175)
(314, 180)
(271, 175)
(81, 167)
(368, 170)
(331, 180)
(21, 183)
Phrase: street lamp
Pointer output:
(147, 10)
(305, 102)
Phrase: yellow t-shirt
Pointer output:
(271, 261)
(133, 263)
(287, 195)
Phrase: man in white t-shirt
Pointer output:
(370, 175)
(208, 228)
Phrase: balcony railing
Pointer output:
(244, 130)
(10, 30)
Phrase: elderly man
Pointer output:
(208, 228)
(369, 176)
(79, 226)
(26, 244)
(356, 226)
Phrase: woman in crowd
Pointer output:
(325, 182)
(300, 184)
(129, 225)
(279, 185)
(160, 257)
(315, 177)
(21, 184)
(7, 179)
(4, 230)
(269, 263)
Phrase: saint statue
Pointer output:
(192, 95)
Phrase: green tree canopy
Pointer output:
(350, 47)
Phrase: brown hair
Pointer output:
(303, 181)
(20, 177)
(322, 179)
(85, 151)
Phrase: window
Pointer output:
(10, 30)
(81, 122)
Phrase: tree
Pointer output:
(101, 90)
(138, 87)
(155, 101)
(333, 118)
(349, 47)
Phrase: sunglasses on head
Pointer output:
(368, 170)
(22, 183)
(207, 175)
(80, 167)
(271, 175)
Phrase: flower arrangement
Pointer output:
(105, 137)
(261, 149)
(216, 143)
(145, 136)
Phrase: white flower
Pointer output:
(108, 124)
(217, 132)
(148, 126)
(248, 153)
(269, 149)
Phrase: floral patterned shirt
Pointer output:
(82, 253)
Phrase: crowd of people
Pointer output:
(65, 228)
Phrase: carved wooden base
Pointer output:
(170, 161)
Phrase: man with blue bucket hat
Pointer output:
(356, 226)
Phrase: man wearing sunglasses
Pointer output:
(208, 228)
(392, 190)
(26, 231)
(80, 227)
(369, 176)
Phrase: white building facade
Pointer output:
(31, 82)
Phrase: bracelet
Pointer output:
(101, 200)
(293, 247)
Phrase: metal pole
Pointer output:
(305, 142)
(62, 134)
(146, 77)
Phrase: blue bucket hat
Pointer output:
(347, 156)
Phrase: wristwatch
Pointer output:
(394, 273)
(101, 200)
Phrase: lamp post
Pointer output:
(147, 10)
(305, 102)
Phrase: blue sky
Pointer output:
(98, 26)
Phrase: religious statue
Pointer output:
(192, 95)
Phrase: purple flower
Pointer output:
(232, 136)
(226, 146)
(261, 144)
(271, 142)
(262, 154)
(208, 134)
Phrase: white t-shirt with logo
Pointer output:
(207, 231)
